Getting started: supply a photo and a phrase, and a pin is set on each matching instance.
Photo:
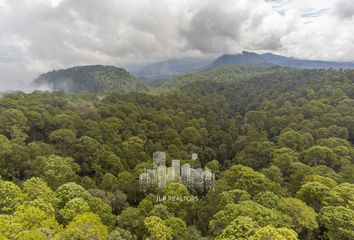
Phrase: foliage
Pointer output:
(86, 226)
(269, 232)
(279, 140)
(338, 221)
(239, 229)
(157, 228)
(261, 215)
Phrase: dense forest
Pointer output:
(279, 140)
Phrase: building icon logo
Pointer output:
(196, 179)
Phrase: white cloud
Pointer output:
(38, 35)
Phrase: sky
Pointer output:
(37, 36)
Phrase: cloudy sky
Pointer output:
(39, 35)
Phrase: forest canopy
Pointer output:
(279, 140)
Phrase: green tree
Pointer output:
(5, 147)
(41, 204)
(28, 218)
(194, 234)
(344, 193)
(86, 226)
(233, 196)
(132, 220)
(147, 204)
(14, 159)
(102, 209)
(134, 151)
(92, 156)
(303, 216)
(295, 140)
(270, 232)
(5, 226)
(283, 158)
(55, 170)
(261, 215)
(73, 208)
(11, 196)
(113, 164)
(244, 178)
(338, 221)
(320, 155)
(267, 199)
(117, 200)
(160, 211)
(315, 194)
(175, 206)
(214, 166)
(14, 125)
(240, 228)
(121, 234)
(256, 154)
(36, 149)
(31, 235)
(62, 138)
(157, 228)
(69, 191)
(36, 188)
(330, 183)
(273, 173)
(128, 184)
(109, 183)
(179, 228)
(190, 135)
(299, 171)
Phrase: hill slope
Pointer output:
(95, 78)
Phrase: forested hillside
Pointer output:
(96, 78)
(279, 140)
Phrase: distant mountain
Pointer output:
(168, 68)
(156, 73)
(269, 58)
(96, 78)
(299, 63)
(244, 58)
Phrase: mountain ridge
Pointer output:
(279, 60)
(155, 72)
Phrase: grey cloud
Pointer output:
(211, 27)
(270, 43)
(345, 9)
(220, 28)
(230, 27)
(36, 37)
